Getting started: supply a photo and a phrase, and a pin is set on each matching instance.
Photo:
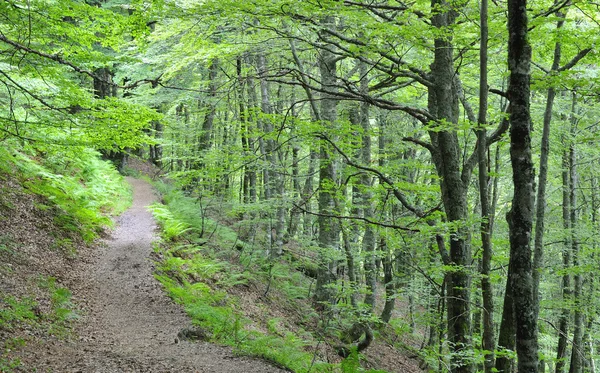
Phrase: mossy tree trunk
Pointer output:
(520, 216)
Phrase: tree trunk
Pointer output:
(543, 176)
(244, 134)
(590, 366)
(388, 269)
(443, 104)
(369, 239)
(210, 106)
(506, 339)
(563, 324)
(273, 182)
(388, 279)
(104, 87)
(156, 150)
(520, 216)
(482, 153)
(315, 114)
(328, 230)
(577, 349)
(251, 118)
(297, 189)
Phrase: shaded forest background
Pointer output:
(428, 169)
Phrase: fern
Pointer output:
(77, 184)
(171, 226)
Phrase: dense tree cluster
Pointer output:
(389, 137)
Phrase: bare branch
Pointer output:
(424, 144)
(576, 59)
(345, 217)
(498, 92)
(398, 194)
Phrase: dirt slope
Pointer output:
(129, 324)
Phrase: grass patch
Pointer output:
(63, 310)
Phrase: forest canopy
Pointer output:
(438, 152)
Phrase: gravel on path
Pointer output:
(129, 324)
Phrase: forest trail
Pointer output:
(129, 324)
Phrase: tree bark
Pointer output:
(244, 133)
(443, 105)
(388, 269)
(251, 142)
(328, 230)
(506, 338)
(563, 324)
(543, 176)
(589, 363)
(388, 279)
(272, 180)
(204, 142)
(104, 87)
(482, 155)
(369, 239)
(577, 349)
(520, 216)
(156, 150)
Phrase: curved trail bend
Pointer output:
(129, 324)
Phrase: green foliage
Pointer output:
(351, 363)
(171, 226)
(48, 76)
(17, 312)
(79, 191)
(8, 364)
(65, 245)
(203, 306)
(7, 245)
(363, 35)
(289, 352)
(185, 216)
(78, 186)
(186, 271)
(63, 309)
(25, 312)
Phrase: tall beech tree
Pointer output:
(520, 216)
(446, 154)
(483, 180)
(328, 229)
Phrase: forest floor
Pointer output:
(127, 323)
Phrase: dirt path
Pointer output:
(129, 324)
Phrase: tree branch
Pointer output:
(57, 58)
(498, 92)
(424, 144)
(399, 195)
(345, 217)
(578, 57)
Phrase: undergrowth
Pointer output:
(25, 313)
(81, 188)
(79, 192)
(202, 263)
